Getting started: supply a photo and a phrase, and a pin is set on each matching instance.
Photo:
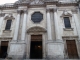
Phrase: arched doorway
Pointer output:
(36, 42)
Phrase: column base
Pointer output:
(17, 50)
(55, 50)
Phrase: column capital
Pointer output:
(52, 9)
(25, 11)
(18, 11)
(49, 9)
(55, 9)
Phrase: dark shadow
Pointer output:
(36, 50)
(3, 49)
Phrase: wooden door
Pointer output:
(72, 49)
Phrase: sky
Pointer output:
(7, 1)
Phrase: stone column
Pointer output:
(49, 25)
(56, 25)
(17, 26)
(77, 22)
(24, 25)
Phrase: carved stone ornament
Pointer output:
(65, 13)
(9, 16)
(23, 1)
(2, 14)
(25, 11)
(36, 29)
(74, 11)
(36, 2)
(18, 11)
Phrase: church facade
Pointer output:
(40, 29)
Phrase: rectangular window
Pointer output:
(72, 49)
(67, 22)
(8, 25)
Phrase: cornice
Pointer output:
(37, 6)
(67, 4)
(8, 7)
(45, 2)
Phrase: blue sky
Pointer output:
(7, 1)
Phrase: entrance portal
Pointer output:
(3, 49)
(36, 47)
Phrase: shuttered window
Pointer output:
(72, 49)
(67, 22)
(8, 25)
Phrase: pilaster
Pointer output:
(56, 22)
(76, 22)
(49, 25)
(17, 26)
(23, 33)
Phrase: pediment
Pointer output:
(9, 16)
(66, 13)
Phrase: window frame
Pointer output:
(6, 24)
(69, 22)
(36, 12)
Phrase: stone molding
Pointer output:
(36, 29)
(70, 37)
(68, 29)
(5, 38)
(36, 3)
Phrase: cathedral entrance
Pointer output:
(36, 47)
(3, 49)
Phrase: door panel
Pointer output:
(72, 49)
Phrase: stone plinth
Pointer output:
(17, 50)
(55, 50)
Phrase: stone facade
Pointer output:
(54, 34)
